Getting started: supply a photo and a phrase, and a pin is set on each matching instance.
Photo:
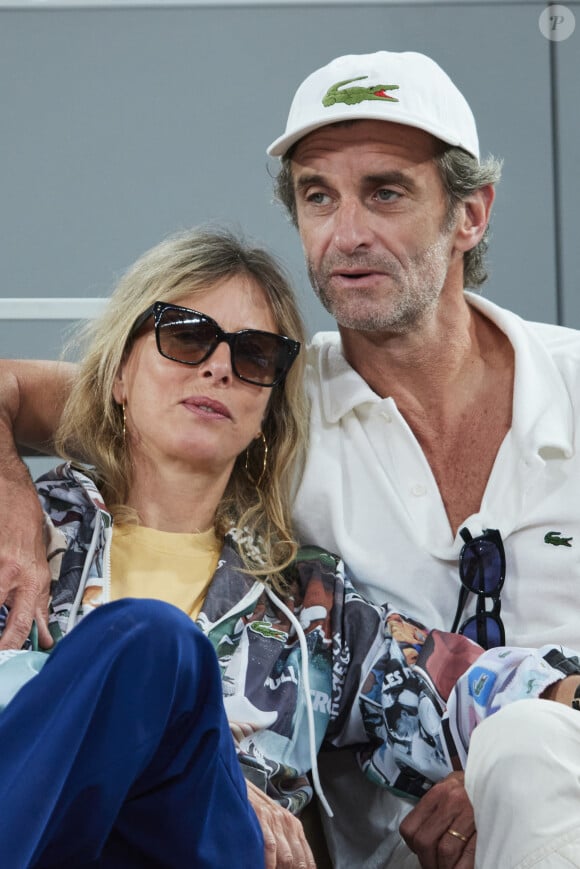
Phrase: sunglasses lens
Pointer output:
(481, 566)
(260, 357)
(485, 629)
(186, 337)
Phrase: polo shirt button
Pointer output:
(386, 416)
(418, 490)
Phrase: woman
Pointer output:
(190, 413)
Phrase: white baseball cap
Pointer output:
(401, 87)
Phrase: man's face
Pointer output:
(372, 215)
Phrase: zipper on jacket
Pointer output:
(107, 563)
(86, 568)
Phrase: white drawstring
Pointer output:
(88, 562)
(309, 710)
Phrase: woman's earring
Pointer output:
(124, 422)
(264, 461)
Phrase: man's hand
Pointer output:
(24, 574)
(427, 828)
(284, 840)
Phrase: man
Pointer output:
(436, 418)
(433, 411)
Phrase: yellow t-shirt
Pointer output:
(176, 568)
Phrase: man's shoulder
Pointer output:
(557, 349)
(558, 339)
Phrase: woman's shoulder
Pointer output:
(311, 562)
(314, 568)
(67, 474)
(316, 554)
(69, 486)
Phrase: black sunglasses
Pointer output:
(482, 572)
(184, 335)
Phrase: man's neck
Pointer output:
(452, 380)
(420, 366)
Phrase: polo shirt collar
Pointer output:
(338, 385)
(543, 415)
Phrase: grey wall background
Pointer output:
(122, 124)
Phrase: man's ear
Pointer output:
(474, 217)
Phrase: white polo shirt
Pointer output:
(368, 492)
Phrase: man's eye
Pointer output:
(387, 195)
(317, 198)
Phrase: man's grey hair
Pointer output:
(461, 175)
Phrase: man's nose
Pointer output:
(352, 227)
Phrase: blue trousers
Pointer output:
(118, 753)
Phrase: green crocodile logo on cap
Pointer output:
(556, 539)
(354, 95)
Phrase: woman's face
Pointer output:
(195, 417)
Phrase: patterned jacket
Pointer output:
(320, 668)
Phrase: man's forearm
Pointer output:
(24, 574)
(32, 397)
(12, 469)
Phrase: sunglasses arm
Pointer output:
(462, 600)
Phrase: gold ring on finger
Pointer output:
(457, 835)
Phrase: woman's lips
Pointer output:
(207, 407)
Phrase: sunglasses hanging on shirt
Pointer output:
(482, 572)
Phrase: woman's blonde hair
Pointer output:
(92, 422)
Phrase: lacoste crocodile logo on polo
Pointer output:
(354, 95)
(556, 539)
